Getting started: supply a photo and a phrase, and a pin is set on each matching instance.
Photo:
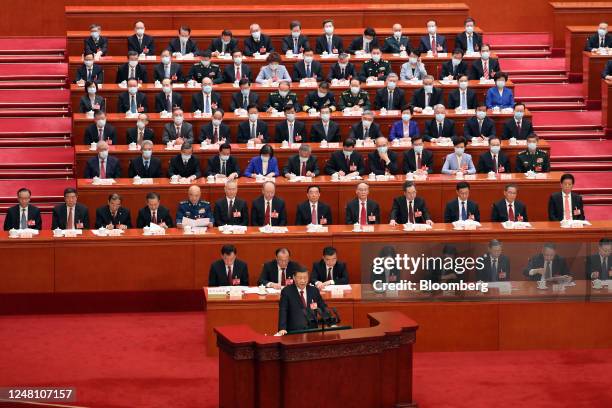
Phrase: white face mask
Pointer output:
(375, 57)
(256, 35)
(532, 146)
(224, 157)
(146, 154)
(283, 93)
(440, 117)
(329, 30)
(140, 125)
(167, 89)
(463, 85)
(413, 60)
(382, 149)
(101, 123)
(459, 150)
(89, 63)
(500, 84)
(354, 90)
(92, 90)
(205, 63)
(207, 89)
(185, 157)
(325, 116)
(253, 117)
(343, 65)
(428, 88)
(274, 66)
(290, 117)
(347, 153)
(245, 92)
(216, 122)
(265, 159)
(133, 63)
(133, 90)
(495, 149)
(456, 61)
(238, 60)
(397, 34)
(418, 149)
(431, 29)
(95, 35)
(295, 34)
(178, 120)
(308, 59)
(103, 154)
(481, 114)
(140, 32)
(405, 117)
(165, 60)
(391, 84)
(321, 94)
(183, 39)
(366, 123)
(485, 55)
(469, 29)
(602, 32)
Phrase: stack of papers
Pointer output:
(102, 181)
(268, 229)
(466, 225)
(103, 232)
(23, 233)
(574, 223)
(233, 229)
(516, 225)
(331, 288)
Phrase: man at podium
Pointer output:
(298, 303)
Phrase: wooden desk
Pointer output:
(437, 190)
(111, 93)
(606, 106)
(117, 39)
(577, 14)
(592, 67)
(110, 64)
(122, 124)
(575, 40)
(346, 15)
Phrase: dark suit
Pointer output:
(299, 70)
(176, 72)
(217, 275)
(137, 168)
(197, 101)
(288, 44)
(170, 132)
(238, 100)
(378, 167)
(60, 216)
(461, 41)
(123, 102)
(132, 135)
(339, 273)
(161, 102)
(452, 214)
(431, 129)
(217, 45)
(511, 130)
(381, 100)
(477, 71)
(353, 212)
(500, 211)
(357, 44)
(214, 166)
(593, 264)
(144, 217)
(471, 128)
(192, 168)
(104, 217)
(244, 130)
(174, 46)
(555, 206)
(13, 218)
(454, 99)
(454, 70)
(123, 73)
(425, 43)
(86, 106)
(335, 72)
(487, 274)
(92, 168)
(291, 311)
(269, 272)
(399, 210)
(593, 42)
(251, 46)
(258, 212)
(147, 42)
(237, 215)
(294, 165)
(206, 133)
(337, 162)
(418, 98)
(486, 163)
(357, 131)
(299, 131)
(97, 74)
(317, 132)
(558, 267)
(90, 46)
(607, 70)
(303, 214)
(410, 161)
(322, 46)
(91, 134)
(392, 45)
(229, 73)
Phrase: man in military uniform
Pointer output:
(533, 158)
(283, 97)
(206, 69)
(354, 98)
(375, 68)
(320, 98)
(193, 207)
(397, 42)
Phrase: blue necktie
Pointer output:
(463, 211)
(206, 104)
(133, 104)
(470, 44)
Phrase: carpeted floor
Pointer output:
(158, 360)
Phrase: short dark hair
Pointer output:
(300, 269)
(70, 190)
(313, 186)
(329, 250)
(458, 51)
(226, 33)
(184, 28)
(605, 241)
(567, 176)
(294, 23)
(507, 186)
(415, 51)
(549, 245)
(409, 108)
(251, 106)
(499, 75)
(288, 108)
(348, 142)
(244, 81)
(228, 249)
(90, 83)
(416, 137)
(282, 249)
(186, 146)
(114, 196)
(329, 20)
(369, 31)
(267, 149)
(24, 190)
(462, 184)
(494, 242)
(132, 54)
(307, 49)
(324, 84)
(224, 146)
(519, 104)
(408, 184)
(458, 140)
(469, 20)
(206, 53)
(374, 47)
(152, 195)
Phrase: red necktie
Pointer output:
(302, 299)
(313, 214)
(238, 76)
(363, 219)
(510, 212)
(70, 223)
(485, 69)
(518, 128)
(418, 161)
(567, 213)
(267, 215)
(495, 163)
(100, 135)
(434, 46)
(283, 277)
(216, 135)
(229, 274)
(102, 169)
(303, 170)
(411, 213)
(154, 217)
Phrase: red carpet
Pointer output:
(524, 40)
(158, 360)
(594, 150)
(550, 92)
(566, 120)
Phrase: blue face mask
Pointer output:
(440, 117)
(519, 115)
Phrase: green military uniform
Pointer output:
(348, 100)
(278, 102)
(537, 161)
(378, 70)
(199, 72)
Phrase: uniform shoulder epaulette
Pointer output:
(184, 202)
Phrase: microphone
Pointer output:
(336, 315)
(327, 317)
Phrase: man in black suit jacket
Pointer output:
(454, 97)
(228, 166)
(354, 213)
(556, 202)
(131, 69)
(61, 213)
(216, 131)
(141, 132)
(318, 131)
(279, 272)
(231, 210)
(480, 125)
(599, 265)
(229, 270)
(30, 213)
(600, 39)
(244, 128)
(113, 215)
(154, 213)
(329, 42)
(607, 72)
(329, 271)
(486, 162)
(95, 43)
(295, 42)
(299, 134)
(315, 67)
(343, 69)
(345, 161)
(175, 71)
(100, 127)
(454, 208)
(461, 41)
(426, 41)
(365, 128)
(161, 99)
(416, 214)
(124, 102)
(320, 214)
(496, 266)
(197, 99)
(297, 302)
(359, 43)
(245, 97)
(145, 166)
(477, 69)
(95, 73)
(302, 164)
(226, 44)
(185, 164)
(277, 214)
(230, 70)
(381, 100)
(112, 166)
(503, 209)
(418, 98)
(382, 160)
(546, 265)
(183, 44)
(432, 127)
(140, 42)
(518, 127)
(257, 42)
(410, 157)
(456, 67)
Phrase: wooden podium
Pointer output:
(369, 367)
